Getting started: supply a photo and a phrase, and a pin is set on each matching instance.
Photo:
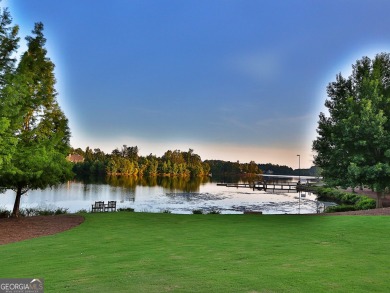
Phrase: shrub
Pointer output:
(197, 212)
(29, 212)
(345, 199)
(49, 212)
(166, 211)
(340, 208)
(365, 203)
(125, 210)
(4, 213)
(60, 211)
(349, 198)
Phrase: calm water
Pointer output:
(176, 195)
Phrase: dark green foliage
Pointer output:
(173, 163)
(125, 210)
(37, 128)
(30, 212)
(8, 44)
(127, 162)
(365, 203)
(346, 199)
(276, 169)
(197, 212)
(340, 208)
(220, 167)
(223, 167)
(4, 213)
(352, 145)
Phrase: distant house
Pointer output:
(75, 158)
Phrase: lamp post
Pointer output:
(299, 182)
(299, 170)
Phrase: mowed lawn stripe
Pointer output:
(145, 252)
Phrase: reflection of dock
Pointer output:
(263, 186)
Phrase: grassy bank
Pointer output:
(141, 252)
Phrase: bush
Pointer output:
(49, 212)
(345, 199)
(365, 203)
(60, 211)
(340, 208)
(29, 212)
(4, 213)
(349, 198)
(197, 212)
(125, 210)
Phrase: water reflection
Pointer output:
(179, 195)
(172, 183)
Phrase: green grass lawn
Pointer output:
(145, 252)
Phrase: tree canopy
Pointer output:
(8, 45)
(353, 142)
(33, 123)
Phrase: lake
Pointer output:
(176, 195)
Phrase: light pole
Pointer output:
(299, 182)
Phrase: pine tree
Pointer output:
(8, 45)
(40, 128)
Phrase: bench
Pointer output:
(111, 206)
(98, 206)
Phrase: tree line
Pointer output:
(127, 161)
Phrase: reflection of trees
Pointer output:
(186, 184)
(147, 181)
(172, 183)
(182, 183)
(129, 182)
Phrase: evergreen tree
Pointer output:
(8, 45)
(41, 129)
(353, 142)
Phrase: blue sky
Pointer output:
(233, 80)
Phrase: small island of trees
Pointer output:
(127, 162)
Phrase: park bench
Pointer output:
(98, 206)
(111, 206)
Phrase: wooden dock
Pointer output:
(265, 186)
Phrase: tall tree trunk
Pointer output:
(15, 211)
(379, 196)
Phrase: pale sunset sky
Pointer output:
(233, 80)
